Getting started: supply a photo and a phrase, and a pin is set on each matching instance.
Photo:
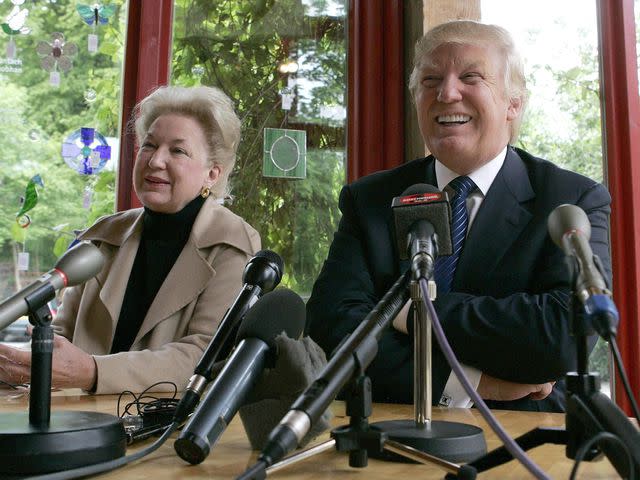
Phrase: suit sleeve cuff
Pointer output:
(454, 395)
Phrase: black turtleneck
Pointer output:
(163, 238)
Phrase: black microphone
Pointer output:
(77, 265)
(570, 229)
(422, 217)
(261, 275)
(351, 357)
(278, 311)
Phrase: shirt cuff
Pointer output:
(454, 394)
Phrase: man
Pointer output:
(506, 312)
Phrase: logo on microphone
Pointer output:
(419, 198)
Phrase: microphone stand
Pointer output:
(65, 440)
(590, 413)
(451, 441)
(418, 440)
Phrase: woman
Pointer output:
(172, 268)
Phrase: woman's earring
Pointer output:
(204, 193)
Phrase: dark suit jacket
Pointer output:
(508, 311)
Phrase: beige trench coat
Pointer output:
(190, 304)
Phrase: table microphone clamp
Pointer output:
(361, 439)
(43, 442)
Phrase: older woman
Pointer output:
(172, 268)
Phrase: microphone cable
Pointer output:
(144, 406)
(597, 440)
(613, 347)
(508, 442)
(103, 467)
(151, 415)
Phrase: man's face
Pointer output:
(463, 111)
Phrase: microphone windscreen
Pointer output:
(566, 218)
(80, 263)
(422, 202)
(275, 312)
(265, 270)
(298, 364)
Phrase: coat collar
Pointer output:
(119, 228)
(192, 270)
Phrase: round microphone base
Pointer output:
(71, 440)
(452, 441)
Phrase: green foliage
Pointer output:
(36, 117)
(239, 45)
(575, 141)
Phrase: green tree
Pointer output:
(37, 117)
(237, 46)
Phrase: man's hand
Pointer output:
(400, 322)
(71, 366)
(491, 388)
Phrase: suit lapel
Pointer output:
(498, 223)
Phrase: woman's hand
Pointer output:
(71, 366)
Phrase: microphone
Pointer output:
(422, 216)
(281, 310)
(261, 275)
(351, 357)
(570, 229)
(75, 266)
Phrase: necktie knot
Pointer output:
(462, 185)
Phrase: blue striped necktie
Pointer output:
(445, 267)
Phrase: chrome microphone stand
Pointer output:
(420, 440)
(451, 441)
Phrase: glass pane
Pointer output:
(283, 62)
(52, 85)
(559, 43)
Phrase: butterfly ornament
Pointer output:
(94, 15)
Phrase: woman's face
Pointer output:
(171, 167)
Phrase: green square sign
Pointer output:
(285, 153)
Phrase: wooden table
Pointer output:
(232, 454)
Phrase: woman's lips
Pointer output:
(156, 181)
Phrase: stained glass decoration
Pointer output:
(93, 16)
(285, 153)
(29, 200)
(56, 56)
(15, 25)
(86, 151)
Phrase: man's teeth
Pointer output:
(453, 118)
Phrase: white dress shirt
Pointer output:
(454, 394)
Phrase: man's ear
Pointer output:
(514, 109)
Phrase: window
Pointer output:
(284, 65)
(59, 104)
(562, 121)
